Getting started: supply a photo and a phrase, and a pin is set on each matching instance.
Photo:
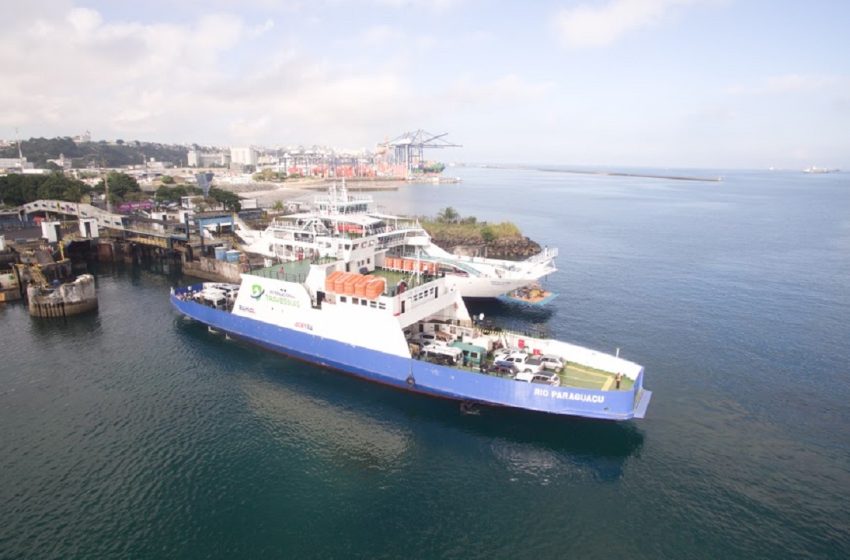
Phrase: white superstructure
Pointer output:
(346, 227)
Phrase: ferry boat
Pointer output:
(347, 227)
(413, 332)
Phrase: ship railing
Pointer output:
(548, 253)
(280, 274)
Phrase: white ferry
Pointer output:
(412, 331)
(347, 227)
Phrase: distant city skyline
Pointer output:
(655, 83)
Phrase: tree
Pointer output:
(167, 180)
(120, 184)
(487, 234)
(277, 206)
(229, 200)
(448, 215)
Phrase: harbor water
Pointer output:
(133, 433)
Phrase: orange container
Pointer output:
(330, 280)
(375, 287)
(408, 264)
(348, 284)
(360, 286)
(433, 268)
(339, 282)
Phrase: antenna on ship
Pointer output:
(343, 192)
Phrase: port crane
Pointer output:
(409, 148)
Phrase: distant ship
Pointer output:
(814, 169)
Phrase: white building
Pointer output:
(243, 156)
(15, 163)
(197, 158)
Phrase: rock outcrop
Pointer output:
(511, 248)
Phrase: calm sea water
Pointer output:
(131, 433)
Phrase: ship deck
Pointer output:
(574, 375)
(394, 277)
(291, 271)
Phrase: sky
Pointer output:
(654, 83)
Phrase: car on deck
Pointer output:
(523, 362)
(543, 377)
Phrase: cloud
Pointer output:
(379, 35)
(506, 89)
(787, 83)
(220, 78)
(601, 25)
(432, 5)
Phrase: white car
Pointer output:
(544, 377)
(423, 339)
(524, 362)
(448, 355)
(554, 363)
(503, 353)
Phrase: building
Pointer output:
(243, 157)
(62, 162)
(15, 163)
(197, 158)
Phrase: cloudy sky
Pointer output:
(672, 83)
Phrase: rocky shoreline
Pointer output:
(511, 249)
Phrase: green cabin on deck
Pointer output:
(473, 355)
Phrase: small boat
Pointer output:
(529, 295)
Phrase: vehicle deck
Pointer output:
(574, 375)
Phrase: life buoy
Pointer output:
(411, 381)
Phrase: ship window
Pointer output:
(355, 300)
(382, 306)
(373, 304)
(363, 302)
(369, 260)
(343, 299)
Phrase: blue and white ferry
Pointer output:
(412, 331)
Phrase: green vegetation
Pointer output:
(39, 150)
(269, 176)
(166, 194)
(16, 189)
(229, 200)
(448, 224)
(122, 188)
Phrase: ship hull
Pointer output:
(420, 376)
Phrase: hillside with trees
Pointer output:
(102, 153)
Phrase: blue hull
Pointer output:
(421, 376)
